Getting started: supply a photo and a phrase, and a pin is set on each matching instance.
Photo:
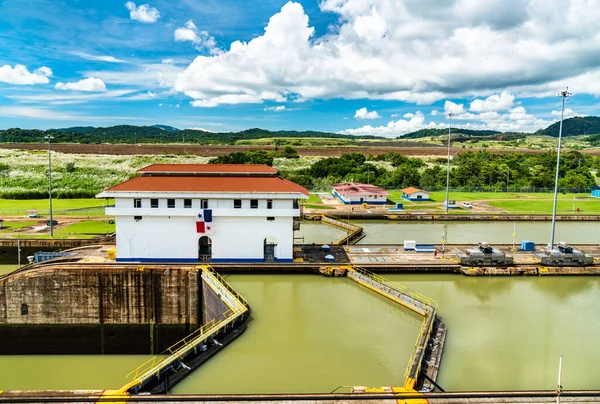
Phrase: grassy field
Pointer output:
(83, 206)
(564, 206)
(87, 227)
(10, 225)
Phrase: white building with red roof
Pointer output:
(350, 193)
(205, 212)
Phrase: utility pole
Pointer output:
(564, 95)
(559, 385)
(448, 168)
(49, 137)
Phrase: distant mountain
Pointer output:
(580, 125)
(437, 132)
(166, 128)
(74, 129)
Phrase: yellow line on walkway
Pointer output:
(399, 391)
(117, 395)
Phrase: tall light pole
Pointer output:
(448, 168)
(564, 95)
(49, 138)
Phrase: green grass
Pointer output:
(87, 227)
(88, 206)
(13, 225)
(564, 206)
(311, 206)
(313, 198)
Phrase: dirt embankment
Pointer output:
(212, 150)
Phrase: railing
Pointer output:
(415, 301)
(237, 307)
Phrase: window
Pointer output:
(154, 203)
(269, 203)
(24, 309)
(203, 203)
(270, 218)
(137, 203)
(296, 204)
(253, 203)
(237, 203)
(170, 203)
(187, 203)
(137, 218)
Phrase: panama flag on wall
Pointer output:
(204, 221)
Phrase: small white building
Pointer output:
(205, 212)
(415, 194)
(351, 193)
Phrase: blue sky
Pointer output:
(382, 67)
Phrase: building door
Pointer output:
(269, 249)
(204, 249)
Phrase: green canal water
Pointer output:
(395, 232)
(312, 334)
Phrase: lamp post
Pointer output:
(564, 95)
(49, 138)
(448, 168)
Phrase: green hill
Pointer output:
(437, 132)
(580, 125)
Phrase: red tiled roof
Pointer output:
(358, 189)
(208, 168)
(208, 184)
(411, 190)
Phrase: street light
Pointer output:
(448, 168)
(564, 95)
(49, 138)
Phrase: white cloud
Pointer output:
(569, 113)
(148, 76)
(71, 97)
(20, 75)
(435, 112)
(399, 50)
(144, 13)
(276, 108)
(364, 114)
(89, 84)
(456, 109)
(55, 115)
(515, 120)
(496, 102)
(201, 129)
(200, 39)
(101, 58)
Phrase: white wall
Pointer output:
(424, 195)
(238, 234)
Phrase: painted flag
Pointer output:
(208, 228)
(200, 228)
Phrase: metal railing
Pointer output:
(418, 303)
(237, 307)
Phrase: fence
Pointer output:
(530, 190)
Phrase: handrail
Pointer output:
(154, 365)
(428, 312)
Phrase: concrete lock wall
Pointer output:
(53, 310)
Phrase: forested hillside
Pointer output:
(580, 125)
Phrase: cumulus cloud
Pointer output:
(398, 50)
(364, 114)
(20, 75)
(569, 113)
(496, 102)
(89, 84)
(514, 120)
(456, 109)
(144, 13)
(200, 39)
(100, 58)
(276, 108)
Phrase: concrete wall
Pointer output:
(101, 309)
(174, 238)
(358, 199)
(417, 196)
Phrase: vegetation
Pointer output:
(130, 134)
(437, 132)
(255, 157)
(579, 125)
